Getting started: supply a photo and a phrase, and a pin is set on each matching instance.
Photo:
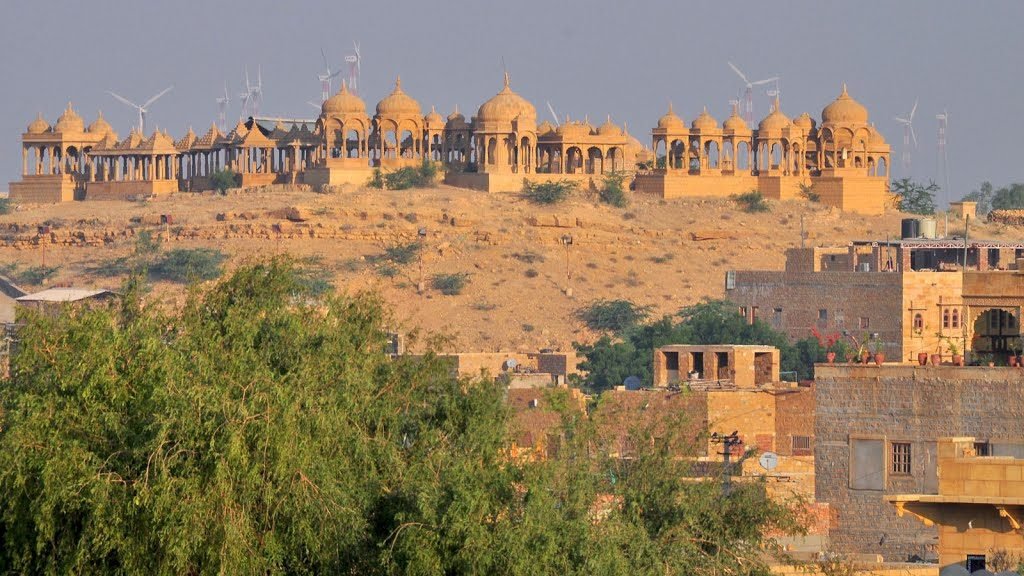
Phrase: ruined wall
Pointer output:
(861, 194)
(904, 403)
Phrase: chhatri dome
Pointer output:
(805, 122)
(398, 102)
(704, 121)
(38, 126)
(844, 110)
(100, 127)
(545, 128)
(344, 102)
(456, 121)
(776, 120)
(670, 121)
(609, 129)
(735, 122)
(433, 117)
(506, 106)
(69, 121)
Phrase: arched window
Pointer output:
(945, 318)
(956, 318)
(918, 322)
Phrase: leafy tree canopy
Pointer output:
(914, 197)
(1010, 197)
(609, 361)
(263, 429)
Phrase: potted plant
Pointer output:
(827, 342)
(954, 351)
(922, 358)
(877, 348)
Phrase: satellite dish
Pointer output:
(510, 364)
(768, 461)
(632, 383)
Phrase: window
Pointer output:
(672, 361)
(730, 280)
(956, 318)
(982, 449)
(743, 311)
(865, 323)
(801, 445)
(823, 316)
(900, 461)
(777, 317)
(918, 322)
(975, 562)
(753, 314)
(945, 318)
(867, 464)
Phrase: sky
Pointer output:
(626, 59)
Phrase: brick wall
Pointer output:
(912, 404)
(847, 298)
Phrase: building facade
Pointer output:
(916, 295)
(877, 430)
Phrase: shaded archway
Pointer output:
(996, 331)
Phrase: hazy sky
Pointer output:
(627, 59)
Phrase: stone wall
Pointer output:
(901, 403)
(850, 300)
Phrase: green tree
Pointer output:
(609, 360)
(263, 429)
(915, 198)
(982, 196)
(223, 179)
(1009, 197)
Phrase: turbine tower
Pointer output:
(354, 61)
(908, 135)
(222, 107)
(943, 159)
(749, 94)
(253, 95)
(326, 78)
(143, 109)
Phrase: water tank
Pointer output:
(910, 228)
(928, 228)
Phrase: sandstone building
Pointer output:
(877, 432)
(845, 159)
(977, 507)
(915, 294)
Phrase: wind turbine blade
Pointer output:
(124, 100)
(335, 73)
(737, 71)
(226, 99)
(912, 134)
(901, 120)
(553, 115)
(765, 81)
(912, 110)
(356, 46)
(158, 96)
(259, 76)
(247, 85)
(326, 65)
(317, 106)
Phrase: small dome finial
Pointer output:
(670, 110)
(398, 83)
(506, 80)
(844, 90)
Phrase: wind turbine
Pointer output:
(222, 107)
(749, 95)
(354, 62)
(943, 159)
(144, 108)
(326, 77)
(553, 115)
(908, 135)
(253, 95)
